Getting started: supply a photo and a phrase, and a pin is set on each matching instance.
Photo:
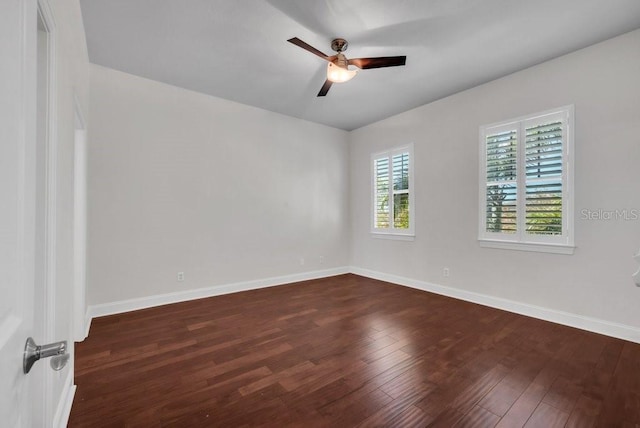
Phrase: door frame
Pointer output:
(46, 323)
(80, 321)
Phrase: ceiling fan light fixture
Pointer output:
(338, 67)
(338, 74)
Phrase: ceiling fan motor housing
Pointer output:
(339, 45)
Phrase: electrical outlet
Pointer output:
(445, 272)
(301, 261)
(321, 259)
(180, 276)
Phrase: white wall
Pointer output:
(226, 193)
(603, 81)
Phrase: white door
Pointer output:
(24, 249)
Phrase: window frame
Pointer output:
(393, 232)
(520, 240)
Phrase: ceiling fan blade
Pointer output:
(296, 41)
(384, 61)
(325, 88)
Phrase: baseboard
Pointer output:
(183, 296)
(594, 325)
(63, 410)
(87, 323)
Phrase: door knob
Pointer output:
(33, 353)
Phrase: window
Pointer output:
(526, 183)
(392, 209)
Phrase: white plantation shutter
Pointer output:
(501, 180)
(526, 195)
(392, 191)
(544, 166)
(401, 190)
(381, 173)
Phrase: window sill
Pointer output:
(394, 236)
(529, 246)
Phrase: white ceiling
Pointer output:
(237, 49)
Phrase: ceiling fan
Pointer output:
(337, 69)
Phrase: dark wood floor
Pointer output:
(349, 351)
